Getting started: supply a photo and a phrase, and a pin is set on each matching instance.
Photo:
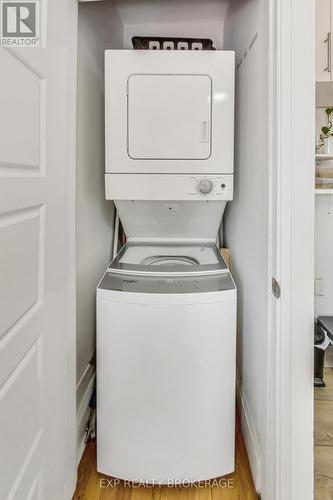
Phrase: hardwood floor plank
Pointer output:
(108, 492)
(93, 488)
(142, 493)
(201, 493)
(87, 463)
(177, 493)
(123, 493)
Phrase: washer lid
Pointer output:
(193, 220)
(171, 259)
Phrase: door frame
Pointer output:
(71, 458)
(292, 89)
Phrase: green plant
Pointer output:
(327, 130)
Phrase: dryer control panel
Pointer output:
(212, 185)
(168, 187)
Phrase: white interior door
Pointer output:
(37, 364)
(169, 117)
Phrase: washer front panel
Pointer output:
(166, 385)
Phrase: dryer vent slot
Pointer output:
(164, 43)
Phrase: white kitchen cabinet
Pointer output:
(324, 10)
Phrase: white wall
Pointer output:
(187, 18)
(100, 27)
(246, 228)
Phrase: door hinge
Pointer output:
(276, 290)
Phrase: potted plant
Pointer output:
(326, 136)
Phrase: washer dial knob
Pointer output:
(205, 186)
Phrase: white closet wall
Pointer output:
(246, 222)
(189, 18)
(99, 28)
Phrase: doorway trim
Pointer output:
(292, 125)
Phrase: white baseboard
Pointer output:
(84, 391)
(250, 437)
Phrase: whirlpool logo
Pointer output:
(20, 23)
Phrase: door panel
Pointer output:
(37, 364)
(20, 141)
(20, 241)
(22, 390)
(169, 117)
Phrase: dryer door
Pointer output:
(169, 117)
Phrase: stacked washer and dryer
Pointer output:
(166, 305)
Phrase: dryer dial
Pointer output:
(205, 186)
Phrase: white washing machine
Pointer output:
(166, 364)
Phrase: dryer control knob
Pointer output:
(205, 186)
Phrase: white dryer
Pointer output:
(169, 111)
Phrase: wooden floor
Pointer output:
(94, 486)
(323, 437)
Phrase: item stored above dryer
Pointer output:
(171, 43)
